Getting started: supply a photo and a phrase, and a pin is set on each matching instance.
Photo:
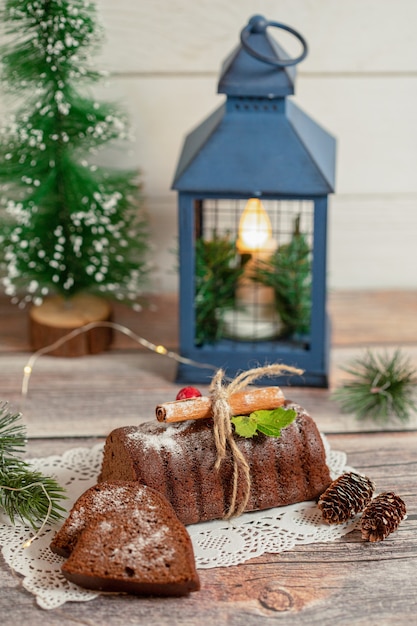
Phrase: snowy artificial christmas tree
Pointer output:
(70, 228)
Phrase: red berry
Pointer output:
(188, 392)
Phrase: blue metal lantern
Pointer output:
(253, 182)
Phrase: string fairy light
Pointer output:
(149, 345)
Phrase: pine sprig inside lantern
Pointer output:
(288, 272)
(218, 269)
(68, 224)
(25, 493)
(380, 386)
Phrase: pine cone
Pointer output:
(345, 497)
(382, 516)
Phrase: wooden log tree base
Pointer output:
(57, 316)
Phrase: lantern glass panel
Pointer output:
(253, 286)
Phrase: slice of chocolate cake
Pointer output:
(143, 551)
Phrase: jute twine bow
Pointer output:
(223, 430)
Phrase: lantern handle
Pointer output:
(258, 24)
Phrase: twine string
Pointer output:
(223, 430)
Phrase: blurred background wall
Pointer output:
(359, 81)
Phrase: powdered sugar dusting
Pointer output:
(112, 498)
(76, 521)
(103, 501)
(158, 437)
(133, 549)
(106, 526)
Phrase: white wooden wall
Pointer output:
(359, 81)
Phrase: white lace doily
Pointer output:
(216, 544)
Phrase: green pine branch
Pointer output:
(12, 434)
(380, 386)
(288, 272)
(25, 493)
(218, 269)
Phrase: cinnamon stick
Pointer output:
(241, 403)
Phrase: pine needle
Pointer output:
(217, 274)
(25, 493)
(12, 434)
(288, 272)
(380, 387)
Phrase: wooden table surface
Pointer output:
(73, 402)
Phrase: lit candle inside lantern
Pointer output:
(255, 316)
(255, 230)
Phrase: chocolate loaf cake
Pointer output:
(178, 461)
(139, 551)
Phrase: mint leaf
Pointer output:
(269, 423)
(269, 431)
(245, 425)
(287, 416)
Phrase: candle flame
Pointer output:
(255, 228)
